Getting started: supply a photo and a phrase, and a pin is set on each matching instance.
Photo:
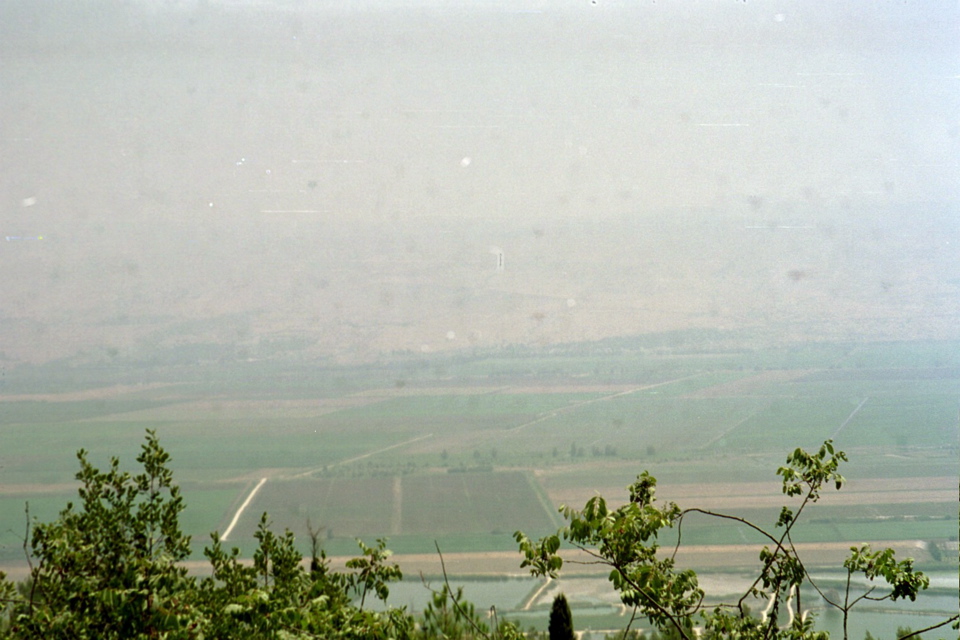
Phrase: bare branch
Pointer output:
(34, 575)
(461, 612)
(633, 617)
(944, 623)
(653, 602)
(725, 516)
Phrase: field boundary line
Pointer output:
(746, 419)
(849, 417)
(552, 512)
(533, 596)
(246, 503)
(397, 513)
(364, 455)
(556, 412)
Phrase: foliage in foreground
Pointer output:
(112, 567)
(647, 580)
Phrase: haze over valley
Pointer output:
(343, 179)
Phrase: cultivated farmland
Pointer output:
(465, 451)
(427, 505)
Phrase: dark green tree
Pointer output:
(450, 615)
(561, 619)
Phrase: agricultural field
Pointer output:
(464, 451)
(416, 509)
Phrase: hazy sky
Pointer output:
(229, 172)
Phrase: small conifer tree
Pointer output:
(561, 620)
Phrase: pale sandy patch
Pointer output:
(764, 494)
(28, 488)
(86, 394)
(233, 409)
(577, 563)
(507, 563)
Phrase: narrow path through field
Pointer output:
(849, 418)
(572, 407)
(535, 595)
(246, 503)
(366, 455)
(723, 434)
(397, 514)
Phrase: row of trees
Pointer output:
(112, 567)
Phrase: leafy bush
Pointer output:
(625, 540)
